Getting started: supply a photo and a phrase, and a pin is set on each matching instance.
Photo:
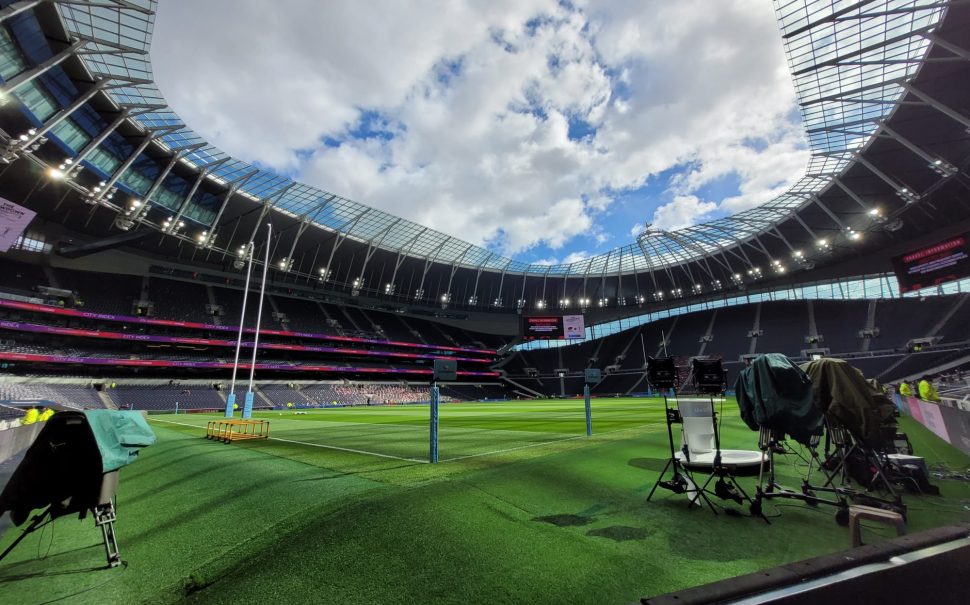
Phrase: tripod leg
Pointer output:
(104, 517)
(34, 524)
(662, 473)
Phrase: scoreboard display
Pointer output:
(941, 262)
(553, 327)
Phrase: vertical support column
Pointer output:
(433, 450)
(589, 412)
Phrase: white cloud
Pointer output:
(479, 99)
(684, 211)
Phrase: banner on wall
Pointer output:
(14, 219)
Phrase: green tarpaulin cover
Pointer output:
(119, 434)
(774, 392)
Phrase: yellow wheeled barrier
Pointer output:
(237, 430)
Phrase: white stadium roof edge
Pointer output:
(841, 103)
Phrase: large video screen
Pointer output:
(942, 262)
(558, 327)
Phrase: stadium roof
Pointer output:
(850, 61)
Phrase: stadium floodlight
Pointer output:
(943, 168)
(540, 304)
(855, 236)
(419, 294)
(55, 173)
(473, 300)
(658, 295)
(389, 288)
(907, 196)
(874, 211)
(697, 288)
(603, 302)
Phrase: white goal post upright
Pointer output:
(248, 406)
(231, 399)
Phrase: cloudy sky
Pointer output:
(545, 130)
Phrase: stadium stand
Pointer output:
(165, 397)
(178, 300)
(21, 278)
(102, 292)
(783, 326)
(786, 326)
(839, 324)
(68, 395)
(729, 338)
(280, 395)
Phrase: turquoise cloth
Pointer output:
(119, 435)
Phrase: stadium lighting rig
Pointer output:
(943, 168)
(473, 300)
(419, 294)
(23, 144)
(519, 304)
(445, 300)
(603, 302)
(324, 273)
(286, 263)
(389, 289)
(171, 226)
(243, 253)
(540, 304)
(907, 196)
(356, 286)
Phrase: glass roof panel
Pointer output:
(847, 59)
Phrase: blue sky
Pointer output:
(544, 130)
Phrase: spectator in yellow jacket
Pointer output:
(927, 391)
(905, 390)
(33, 415)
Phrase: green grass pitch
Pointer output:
(340, 506)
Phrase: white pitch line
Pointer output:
(550, 442)
(329, 447)
(347, 449)
(512, 449)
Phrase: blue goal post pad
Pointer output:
(593, 375)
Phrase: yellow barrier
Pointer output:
(237, 430)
